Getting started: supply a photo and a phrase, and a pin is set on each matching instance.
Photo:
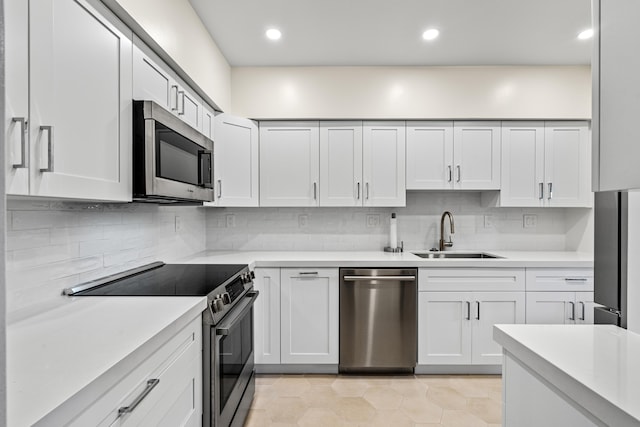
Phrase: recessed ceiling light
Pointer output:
(273, 34)
(586, 34)
(430, 34)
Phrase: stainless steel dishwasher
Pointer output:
(378, 320)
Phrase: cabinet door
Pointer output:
(522, 164)
(567, 164)
(553, 308)
(289, 163)
(488, 309)
(16, 96)
(80, 101)
(429, 155)
(236, 161)
(340, 163)
(208, 123)
(617, 73)
(267, 316)
(189, 108)
(444, 329)
(383, 168)
(309, 316)
(584, 308)
(151, 81)
(476, 155)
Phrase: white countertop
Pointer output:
(387, 259)
(598, 366)
(58, 354)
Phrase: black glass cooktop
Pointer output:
(169, 280)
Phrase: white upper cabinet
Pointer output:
(383, 168)
(522, 164)
(616, 90)
(429, 155)
(453, 155)
(235, 161)
(545, 164)
(476, 155)
(208, 125)
(289, 163)
(153, 81)
(567, 166)
(341, 164)
(80, 101)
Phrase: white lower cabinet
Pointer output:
(309, 316)
(266, 316)
(560, 296)
(456, 328)
(167, 387)
(296, 316)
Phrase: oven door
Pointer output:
(232, 361)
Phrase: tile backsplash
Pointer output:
(54, 245)
(477, 227)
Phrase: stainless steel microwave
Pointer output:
(172, 162)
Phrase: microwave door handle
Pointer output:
(205, 178)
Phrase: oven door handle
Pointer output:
(238, 313)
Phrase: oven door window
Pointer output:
(235, 350)
(178, 158)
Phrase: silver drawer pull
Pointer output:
(468, 310)
(308, 273)
(49, 130)
(582, 304)
(150, 386)
(400, 278)
(573, 311)
(23, 142)
(575, 279)
(541, 196)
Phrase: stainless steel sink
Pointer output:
(453, 255)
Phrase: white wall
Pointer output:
(633, 258)
(54, 245)
(418, 226)
(178, 30)
(491, 92)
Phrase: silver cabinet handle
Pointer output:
(575, 279)
(150, 386)
(23, 142)
(573, 311)
(541, 196)
(176, 88)
(181, 113)
(468, 310)
(450, 173)
(397, 278)
(358, 191)
(477, 310)
(367, 188)
(219, 188)
(459, 173)
(49, 130)
(582, 304)
(315, 191)
(550, 191)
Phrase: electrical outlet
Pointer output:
(373, 220)
(488, 221)
(303, 221)
(529, 221)
(230, 220)
(178, 223)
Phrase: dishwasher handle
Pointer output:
(396, 278)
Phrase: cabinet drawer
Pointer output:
(176, 396)
(560, 279)
(471, 279)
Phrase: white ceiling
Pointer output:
(386, 32)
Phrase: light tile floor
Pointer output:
(398, 401)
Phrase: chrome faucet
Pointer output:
(448, 244)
